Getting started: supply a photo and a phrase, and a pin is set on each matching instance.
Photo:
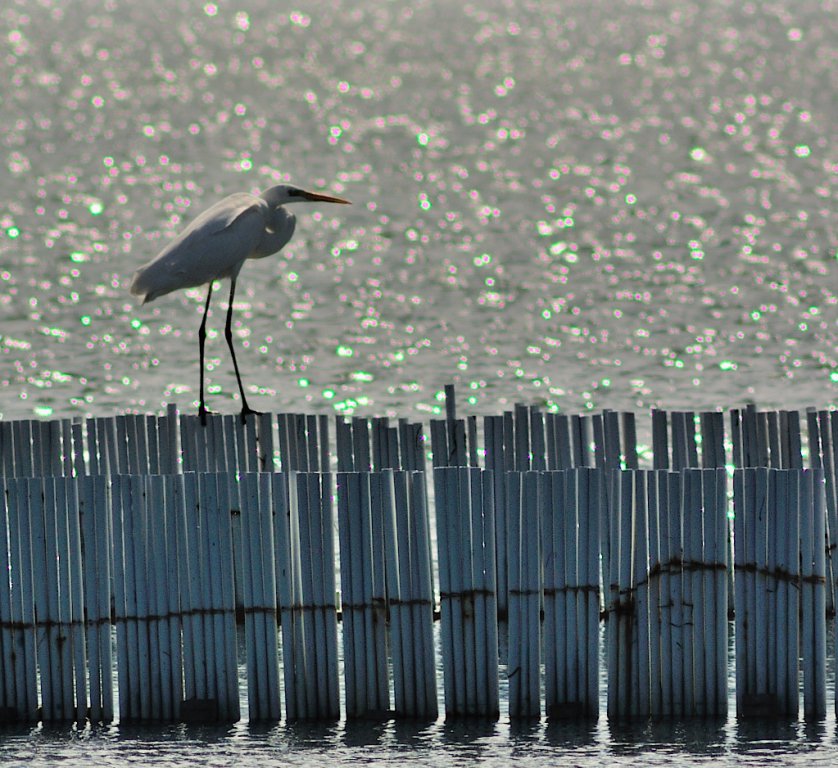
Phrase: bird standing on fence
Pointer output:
(215, 246)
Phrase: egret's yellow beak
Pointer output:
(317, 197)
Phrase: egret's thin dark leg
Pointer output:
(202, 337)
(228, 334)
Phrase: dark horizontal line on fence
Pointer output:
(239, 612)
(813, 579)
(381, 604)
(324, 608)
(781, 574)
(524, 592)
(17, 625)
(376, 605)
(468, 593)
(420, 601)
(51, 624)
(177, 615)
(677, 565)
(673, 567)
(577, 589)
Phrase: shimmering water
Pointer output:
(494, 745)
(586, 204)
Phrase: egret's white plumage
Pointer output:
(216, 245)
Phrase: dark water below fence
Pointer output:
(438, 745)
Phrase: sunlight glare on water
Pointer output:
(604, 207)
(443, 744)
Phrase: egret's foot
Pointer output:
(247, 411)
(202, 414)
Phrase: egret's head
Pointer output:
(284, 193)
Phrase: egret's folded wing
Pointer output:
(213, 246)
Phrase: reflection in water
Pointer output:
(457, 743)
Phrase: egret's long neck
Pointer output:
(278, 231)
(276, 196)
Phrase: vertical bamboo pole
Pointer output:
(71, 595)
(145, 638)
(423, 531)
(57, 553)
(640, 579)
(269, 590)
(627, 666)
(490, 591)
(551, 512)
(678, 670)
(590, 497)
(814, 593)
(303, 508)
(286, 591)
(817, 706)
(402, 635)
(252, 601)
(195, 676)
(381, 495)
(779, 677)
(8, 697)
(516, 657)
(20, 538)
(722, 581)
(45, 581)
(483, 585)
(97, 572)
(696, 651)
(163, 692)
(175, 551)
(567, 523)
(613, 551)
(466, 575)
(423, 608)
(655, 628)
(763, 479)
(73, 604)
(530, 601)
(223, 597)
(125, 668)
(495, 462)
(666, 575)
(741, 579)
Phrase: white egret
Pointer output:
(215, 246)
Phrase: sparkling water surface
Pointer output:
(439, 744)
(584, 204)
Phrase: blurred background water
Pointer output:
(584, 204)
